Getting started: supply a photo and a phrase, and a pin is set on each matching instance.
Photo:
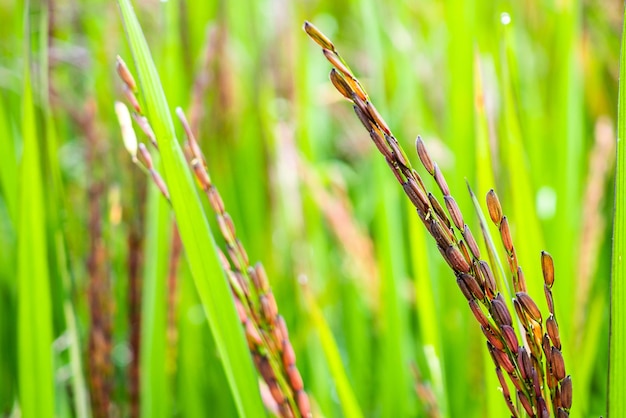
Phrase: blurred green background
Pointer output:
(516, 96)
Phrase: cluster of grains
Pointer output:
(535, 365)
(265, 330)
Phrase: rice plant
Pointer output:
(125, 289)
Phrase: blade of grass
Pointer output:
(617, 345)
(194, 230)
(35, 375)
(349, 404)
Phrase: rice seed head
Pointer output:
(494, 207)
(529, 306)
(455, 212)
(424, 156)
(505, 232)
(441, 181)
(317, 36)
(547, 267)
(558, 364)
(125, 74)
(566, 392)
(340, 84)
(553, 331)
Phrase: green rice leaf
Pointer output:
(617, 361)
(34, 335)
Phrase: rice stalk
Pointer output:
(534, 365)
(265, 329)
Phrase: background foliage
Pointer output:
(521, 98)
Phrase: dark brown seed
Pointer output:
(340, 84)
(317, 35)
(456, 259)
(454, 211)
(466, 292)
(401, 157)
(549, 299)
(377, 118)
(285, 410)
(125, 74)
(547, 267)
(490, 280)
(503, 384)
(439, 233)
(265, 369)
(500, 312)
(521, 280)
(520, 313)
(566, 392)
(494, 208)
(478, 313)
(536, 384)
(525, 366)
(542, 408)
(471, 242)
(525, 403)
(561, 413)
(517, 382)
(415, 194)
(393, 165)
(509, 337)
(424, 156)
(505, 232)
(558, 364)
(441, 181)
(504, 361)
(365, 120)
(553, 331)
(380, 143)
(334, 60)
(493, 337)
(529, 306)
(304, 405)
(419, 192)
(473, 286)
(438, 209)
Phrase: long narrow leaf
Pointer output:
(617, 367)
(36, 390)
(194, 230)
